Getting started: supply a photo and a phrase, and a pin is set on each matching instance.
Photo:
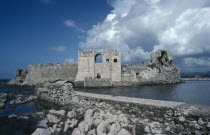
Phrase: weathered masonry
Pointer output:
(99, 68)
(104, 69)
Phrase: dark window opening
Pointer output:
(107, 60)
(137, 74)
(98, 75)
(115, 60)
(98, 58)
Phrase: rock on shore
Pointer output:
(20, 99)
(85, 122)
(92, 114)
(3, 99)
(106, 115)
(59, 92)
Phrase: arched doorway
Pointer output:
(98, 58)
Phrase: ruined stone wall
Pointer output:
(59, 92)
(95, 82)
(131, 72)
(162, 57)
(19, 77)
(160, 70)
(148, 73)
(41, 73)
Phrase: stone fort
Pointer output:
(104, 69)
(109, 67)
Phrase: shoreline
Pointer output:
(78, 85)
(169, 117)
(86, 113)
(195, 79)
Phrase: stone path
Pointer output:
(158, 103)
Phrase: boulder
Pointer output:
(71, 114)
(41, 131)
(208, 125)
(92, 132)
(181, 118)
(52, 118)
(3, 99)
(66, 127)
(60, 112)
(42, 124)
(146, 129)
(156, 128)
(20, 99)
(102, 128)
(77, 132)
(200, 122)
(88, 112)
(123, 132)
(115, 128)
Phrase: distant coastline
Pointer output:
(195, 79)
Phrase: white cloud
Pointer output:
(110, 17)
(70, 60)
(124, 14)
(202, 61)
(72, 24)
(59, 48)
(139, 27)
(189, 35)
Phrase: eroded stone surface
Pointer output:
(59, 92)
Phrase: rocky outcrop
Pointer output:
(83, 121)
(3, 99)
(59, 92)
(104, 117)
(104, 114)
(20, 99)
(154, 116)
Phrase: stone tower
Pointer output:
(108, 68)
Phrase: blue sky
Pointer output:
(52, 31)
(32, 31)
